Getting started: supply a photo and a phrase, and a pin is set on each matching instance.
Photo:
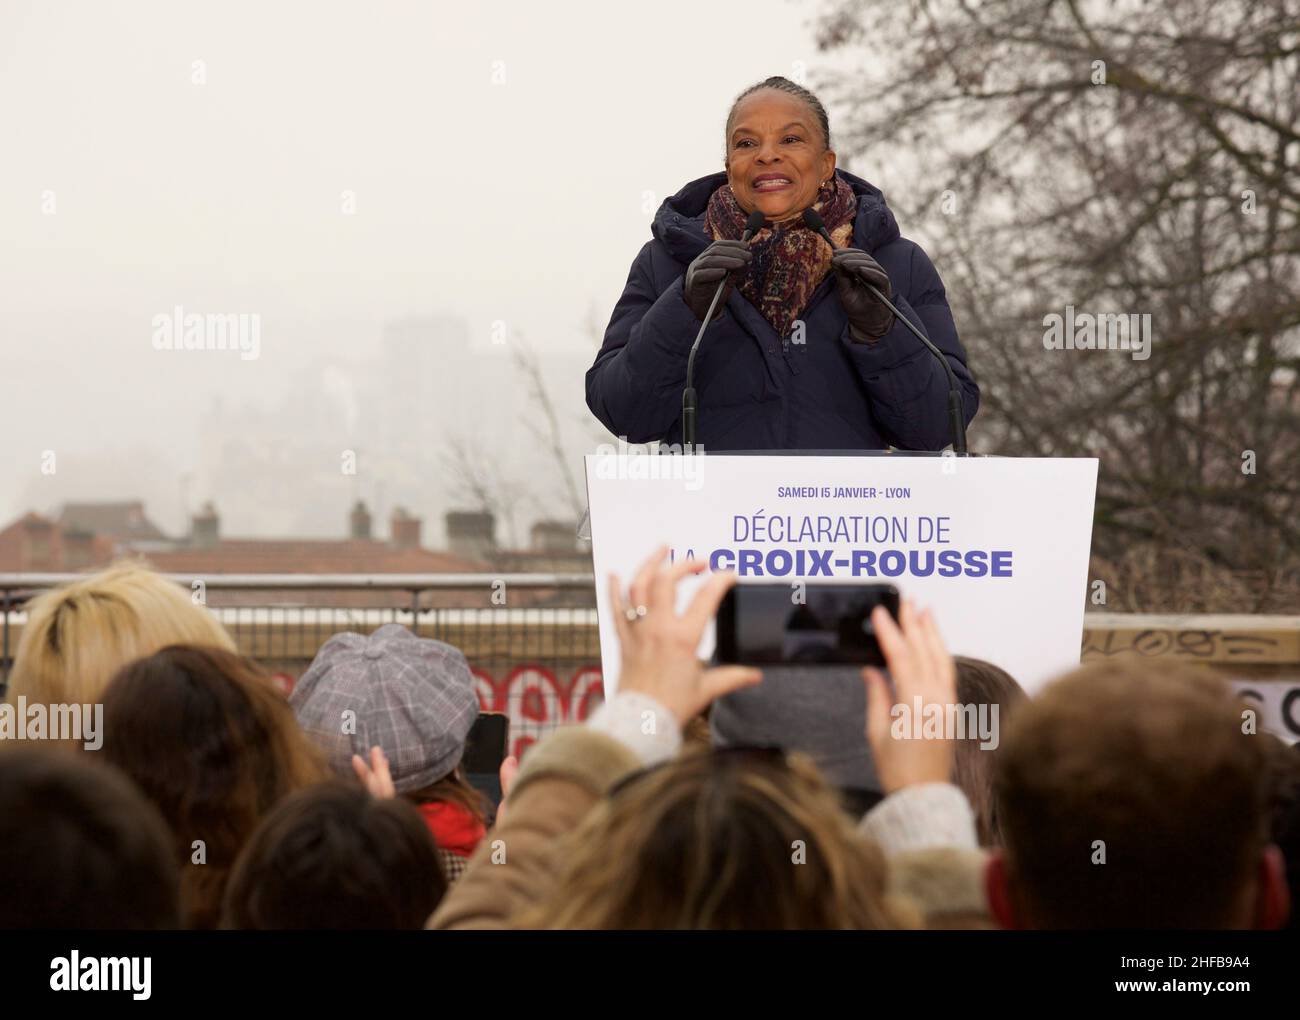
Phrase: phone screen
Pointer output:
(485, 750)
(809, 624)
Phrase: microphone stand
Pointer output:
(752, 226)
(956, 412)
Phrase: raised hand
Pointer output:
(375, 776)
(659, 646)
(919, 666)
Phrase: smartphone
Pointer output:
(807, 624)
(485, 750)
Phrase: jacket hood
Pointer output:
(679, 223)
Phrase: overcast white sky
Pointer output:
(524, 201)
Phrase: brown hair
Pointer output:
(452, 788)
(211, 741)
(982, 683)
(1130, 797)
(80, 847)
(76, 637)
(722, 840)
(335, 857)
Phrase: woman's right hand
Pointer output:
(659, 644)
(718, 260)
(924, 675)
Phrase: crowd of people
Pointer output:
(1126, 794)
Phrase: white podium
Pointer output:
(997, 547)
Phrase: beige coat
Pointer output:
(517, 864)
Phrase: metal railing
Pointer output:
(531, 639)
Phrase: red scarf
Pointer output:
(789, 259)
(454, 829)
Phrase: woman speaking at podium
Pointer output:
(799, 354)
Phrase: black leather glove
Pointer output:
(719, 259)
(869, 319)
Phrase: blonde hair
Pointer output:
(78, 636)
(722, 841)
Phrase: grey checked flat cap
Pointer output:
(820, 711)
(414, 697)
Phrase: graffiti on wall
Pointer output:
(1195, 644)
(537, 700)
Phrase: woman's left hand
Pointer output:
(869, 318)
(375, 776)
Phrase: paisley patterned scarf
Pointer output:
(789, 259)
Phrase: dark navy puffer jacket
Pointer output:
(758, 392)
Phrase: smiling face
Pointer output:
(776, 155)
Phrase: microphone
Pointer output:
(814, 222)
(752, 226)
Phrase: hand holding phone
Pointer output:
(658, 644)
(923, 673)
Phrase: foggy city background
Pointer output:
(376, 327)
